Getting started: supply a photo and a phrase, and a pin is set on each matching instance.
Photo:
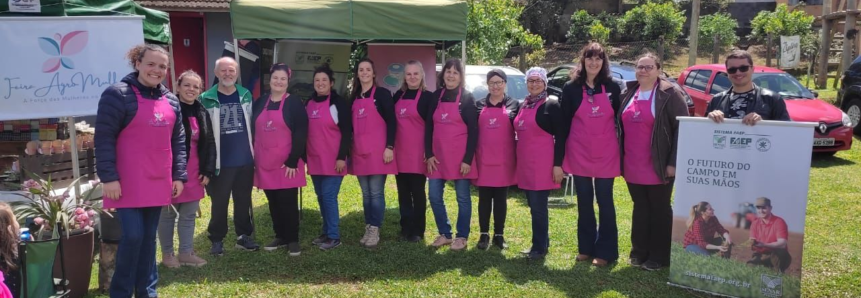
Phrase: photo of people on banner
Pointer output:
(739, 209)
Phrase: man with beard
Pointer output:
(230, 107)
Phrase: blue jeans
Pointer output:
(135, 271)
(464, 206)
(537, 200)
(327, 189)
(373, 198)
(697, 250)
(598, 239)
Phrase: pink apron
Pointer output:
(592, 149)
(192, 190)
(272, 144)
(410, 137)
(145, 157)
(495, 152)
(369, 140)
(324, 139)
(449, 141)
(534, 151)
(638, 123)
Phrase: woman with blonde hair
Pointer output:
(411, 107)
(200, 145)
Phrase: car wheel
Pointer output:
(853, 109)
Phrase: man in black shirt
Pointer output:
(745, 100)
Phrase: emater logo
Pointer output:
(60, 47)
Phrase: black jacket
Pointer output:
(206, 152)
(296, 119)
(549, 118)
(468, 113)
(424, 100)
(767, 104)
(386, 107)
(117, 107)
(509, 103)
(669, 104)
(572, 96)
(345, 121)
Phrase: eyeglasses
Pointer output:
(733, 70)
(534, 81)
(645, 67)
(761, 207)
(496, 84)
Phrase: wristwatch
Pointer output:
(390, 147)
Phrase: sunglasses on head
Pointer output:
(733, 70)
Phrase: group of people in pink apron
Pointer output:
(594, 133)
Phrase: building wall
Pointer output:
(218, 30)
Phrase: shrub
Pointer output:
(720, 24)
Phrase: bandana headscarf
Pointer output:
(540, 73)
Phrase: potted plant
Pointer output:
(74, 218)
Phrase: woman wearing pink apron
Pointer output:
(372, 157)
(329, 137)
(649, 138)
(141, 154)
(280, 131)
(451, 135)
(200, 145)
(539, 157)
(411, 106)
(591, 100)
(495, 158)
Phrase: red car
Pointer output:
(834, 132)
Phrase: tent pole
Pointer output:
(172, 70)
(463, 51)
(73, 145)
(443, 53)
(236, 57)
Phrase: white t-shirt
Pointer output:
(644, 95)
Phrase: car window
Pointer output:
(689, 81)
(720, 84)
(701, 80)
(559, 78)
(782, 83)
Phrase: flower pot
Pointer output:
(110, 229)
(78, 261)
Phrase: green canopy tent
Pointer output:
(156, 23)
(156, 27)
(353, 20)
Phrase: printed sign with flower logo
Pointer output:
(60, 47)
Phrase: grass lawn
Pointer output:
(396, 269)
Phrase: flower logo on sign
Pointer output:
(60, 47)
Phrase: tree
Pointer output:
(542, 17)
(580, 23)
(653, 20)
(780, 22)
(492, 29)
(599, 33)
(720, 24)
